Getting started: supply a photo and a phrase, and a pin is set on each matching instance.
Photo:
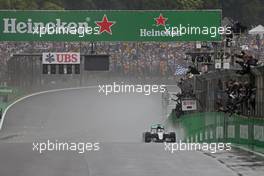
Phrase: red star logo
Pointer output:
(160, 20)
(105, 25)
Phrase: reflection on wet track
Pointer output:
(116, 121)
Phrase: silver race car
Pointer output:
(157, 134)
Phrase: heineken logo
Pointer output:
(13, 26)
(160, 20)
(178, 30)
(105, 25)
(112, 25)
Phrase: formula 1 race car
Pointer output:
(157, 134)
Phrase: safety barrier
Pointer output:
(220, 127)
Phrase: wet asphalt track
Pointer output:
(115, 121)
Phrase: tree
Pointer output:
(51, 5)
(18, 4)
(31, 4)
(249, 12)
(79, 5)
(245, 11)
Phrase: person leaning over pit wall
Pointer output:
(245, 60)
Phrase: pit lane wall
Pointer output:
(220, 127)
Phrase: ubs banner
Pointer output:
(111, 26)
(61, 58)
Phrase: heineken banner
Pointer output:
(111, 26)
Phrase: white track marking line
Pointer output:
(248, 150)
(38, 93)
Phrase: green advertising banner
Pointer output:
(111, 26)
(220, 127)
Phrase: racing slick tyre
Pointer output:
(147, 137)
(166, 137)
(172, 137)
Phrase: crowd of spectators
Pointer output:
(128, 58)
(6, 50)
(144, 59)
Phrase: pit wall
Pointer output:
(220, 127)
